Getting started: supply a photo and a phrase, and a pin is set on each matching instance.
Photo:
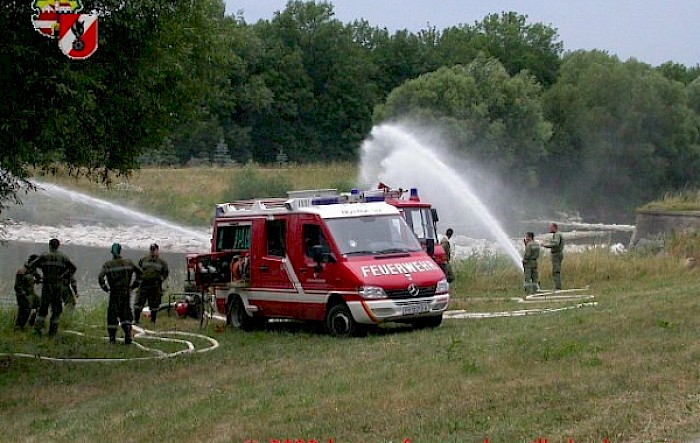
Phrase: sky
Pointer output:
(651, 31)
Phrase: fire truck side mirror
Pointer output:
(430, 246)
(435, 215)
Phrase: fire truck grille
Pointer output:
(428, 291)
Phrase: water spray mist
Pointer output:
(394, 156)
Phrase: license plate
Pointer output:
(416, 309)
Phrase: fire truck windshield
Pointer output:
(373, 235)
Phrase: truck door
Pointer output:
(274, 292)
(314, 283)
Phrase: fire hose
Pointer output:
(141, 333)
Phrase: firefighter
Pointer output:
(27, 299)
(117, 278)
(55, 267)
(155, 272)
(445, 243)
(530, 257)
(556, 246)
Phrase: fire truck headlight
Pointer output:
(442, 287)
(372, 292)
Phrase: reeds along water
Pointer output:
(394, 155)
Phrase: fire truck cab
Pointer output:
(347, 260)
(421, 217)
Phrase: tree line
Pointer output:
(179, 80)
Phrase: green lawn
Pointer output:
(626, 369)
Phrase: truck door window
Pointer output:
(420, 221)
(276, 237)
(233, 237)
(313, 236)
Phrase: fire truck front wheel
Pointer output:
(237, 315)
(339, 322)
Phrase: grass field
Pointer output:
(627, 369)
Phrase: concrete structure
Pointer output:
(656, 225)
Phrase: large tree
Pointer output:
(154, 66)
(520, 45)
(319, 83)
(403, 56)
(623, 134)
(492, 117)
(240, 94)
(679, 72)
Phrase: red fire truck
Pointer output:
(420, 216)
(347, 260)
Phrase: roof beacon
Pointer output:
(414, 195)
(373, 196)
(328, 200)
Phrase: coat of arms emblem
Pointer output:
(60, 19)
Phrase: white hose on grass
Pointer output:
(142, 333)
(539, 297)
(458, 314)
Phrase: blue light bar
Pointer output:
(318, 201)
(374, 198)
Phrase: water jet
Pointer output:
(393, 154)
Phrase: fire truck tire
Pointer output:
(427, 322)
(339, 322)
(238, 317)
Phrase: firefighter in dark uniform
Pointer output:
(117, 278)
(55, 267)
(155, 271)
(556, 246)
(445, 243)
(26, 296)
(530, 256)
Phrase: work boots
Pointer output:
(154, 314)
(112, 335)
(21, 321)
(127, 334)
(53, 329)
(137, 315)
